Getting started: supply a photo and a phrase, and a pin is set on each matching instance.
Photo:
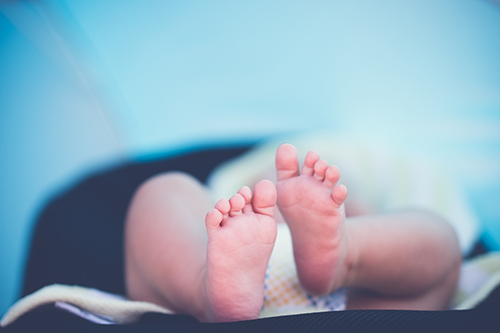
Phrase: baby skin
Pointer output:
(216, 271)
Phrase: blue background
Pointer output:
(84, 84)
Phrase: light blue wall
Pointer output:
(83, 82)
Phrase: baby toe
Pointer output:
(339, 194)
(213, 219)
(223, 206)
(237, 203)
(311, 158)
(320, 170)
(332, 176)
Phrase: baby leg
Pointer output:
(213, 271)
(403, 260)
(408, 259)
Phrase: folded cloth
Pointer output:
(91, 304)
(479, 277)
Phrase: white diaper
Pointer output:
(283, 294)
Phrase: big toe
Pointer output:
(264, 198)
(287, 163)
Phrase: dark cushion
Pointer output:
(78, 240)
(78, 237)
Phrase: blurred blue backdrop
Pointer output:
(88, 83)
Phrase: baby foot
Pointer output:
(312, 206)
(241, 235)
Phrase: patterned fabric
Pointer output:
(283, 294)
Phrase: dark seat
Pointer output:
(78, 237)
(78, 240)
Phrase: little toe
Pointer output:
(320, 170)
(264, 198)
(237, 203)
(287, 162)
(339, 194)
(213, 219)
(332, 176)
(311, 158)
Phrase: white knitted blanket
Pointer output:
(478, 278)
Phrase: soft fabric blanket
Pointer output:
(478, 278)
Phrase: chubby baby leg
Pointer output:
(406, 259)
(208, 262)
